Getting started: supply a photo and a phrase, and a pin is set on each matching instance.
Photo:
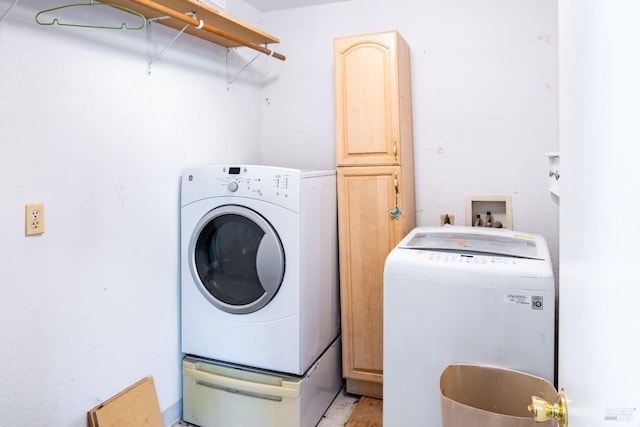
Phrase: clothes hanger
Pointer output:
(123, 26)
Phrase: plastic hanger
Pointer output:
(92, 3)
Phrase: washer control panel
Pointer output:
(462, 258)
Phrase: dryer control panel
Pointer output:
(280, 186)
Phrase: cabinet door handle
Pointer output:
(396, 212)
(395, 149)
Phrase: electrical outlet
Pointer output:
(447, 219)
(34, 219)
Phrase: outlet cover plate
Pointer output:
(34, 219)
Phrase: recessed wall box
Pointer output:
(499, 206)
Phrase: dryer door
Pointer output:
(236, 259)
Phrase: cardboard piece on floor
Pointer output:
(135, 406)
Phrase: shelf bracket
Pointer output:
(154, 57)
(233, 79)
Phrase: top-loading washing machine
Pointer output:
(259, 273)
(462, 295)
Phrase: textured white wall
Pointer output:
(484, 88)
(92, 305)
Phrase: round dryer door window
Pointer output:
(237, 259)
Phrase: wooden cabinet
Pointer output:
(367, 233)
(375, 175)
(373, 100)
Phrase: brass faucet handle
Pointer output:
(542, 411)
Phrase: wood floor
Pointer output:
(350, 410)
(367, 413)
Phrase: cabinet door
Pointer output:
(368, 99)
(368, 232)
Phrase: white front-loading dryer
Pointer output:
(259, 276)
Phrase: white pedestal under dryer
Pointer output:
(219, 395)
(259, 265)
(462, 295)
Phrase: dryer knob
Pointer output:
(232, 186)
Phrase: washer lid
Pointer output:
(519, 246)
